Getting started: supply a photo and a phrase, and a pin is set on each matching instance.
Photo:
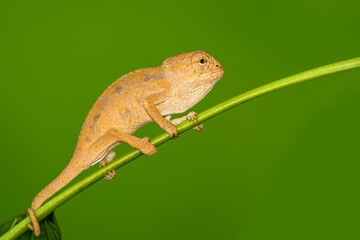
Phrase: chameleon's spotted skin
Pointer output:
(137, 98)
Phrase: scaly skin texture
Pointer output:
(137, 98)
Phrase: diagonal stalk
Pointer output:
(72, 191)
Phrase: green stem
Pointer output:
(69, 193)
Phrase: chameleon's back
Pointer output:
(120, 104)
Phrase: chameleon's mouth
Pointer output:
(219, 74)
(212, 77)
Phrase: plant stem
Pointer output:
(72, 191)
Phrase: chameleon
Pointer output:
(135, 99)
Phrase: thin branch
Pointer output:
(72, 191)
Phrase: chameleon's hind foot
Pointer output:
(35, 227)
(108, 158)
(146, 147)
(110, 175)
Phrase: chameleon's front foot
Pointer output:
(35, 227)
(192, 116)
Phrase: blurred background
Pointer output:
(284, 166)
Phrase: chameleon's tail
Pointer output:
(69, 173)
(65, 177)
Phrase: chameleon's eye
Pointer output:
(200, 62)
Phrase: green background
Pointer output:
(284, 166)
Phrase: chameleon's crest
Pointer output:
(194, 68)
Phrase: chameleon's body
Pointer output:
(137, 98)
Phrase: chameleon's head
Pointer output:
(194, 68)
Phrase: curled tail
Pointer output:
(69, 173)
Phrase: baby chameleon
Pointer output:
(137, 98)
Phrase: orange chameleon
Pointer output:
(137, 98)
